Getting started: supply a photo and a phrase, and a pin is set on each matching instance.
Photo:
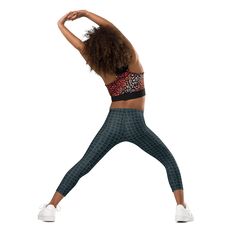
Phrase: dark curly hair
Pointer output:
(106, 51)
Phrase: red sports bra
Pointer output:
(128, 85)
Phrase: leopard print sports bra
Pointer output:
(128, 85)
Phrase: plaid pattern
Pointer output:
(122, 124)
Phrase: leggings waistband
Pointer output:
(126, 110)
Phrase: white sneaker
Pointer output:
(48, 212)
(183, 214)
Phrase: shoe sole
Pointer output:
(181, 219)
(47, 218)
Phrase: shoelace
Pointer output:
(58, 208)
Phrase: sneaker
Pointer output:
(183, 214)
(48, 212)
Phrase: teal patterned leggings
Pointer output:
(122, 124)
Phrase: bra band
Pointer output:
(128, 96)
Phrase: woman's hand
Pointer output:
(77, 14)
(72, 15)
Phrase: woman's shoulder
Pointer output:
(136, 67)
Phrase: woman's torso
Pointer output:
(136, 103)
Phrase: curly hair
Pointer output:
(106, 50)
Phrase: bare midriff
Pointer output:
(136, 103)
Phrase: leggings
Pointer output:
(122, 124)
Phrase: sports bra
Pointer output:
(128, 85)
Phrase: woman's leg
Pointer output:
(179, 197)
(107, 137)
(57, 197)
(147, 140)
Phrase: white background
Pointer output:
(51, 107)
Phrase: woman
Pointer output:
(110, 54)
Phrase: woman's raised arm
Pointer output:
(75, 41)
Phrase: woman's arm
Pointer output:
(97, 19)
(75, 41)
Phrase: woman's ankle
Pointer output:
(51, 203)
(182, 203)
